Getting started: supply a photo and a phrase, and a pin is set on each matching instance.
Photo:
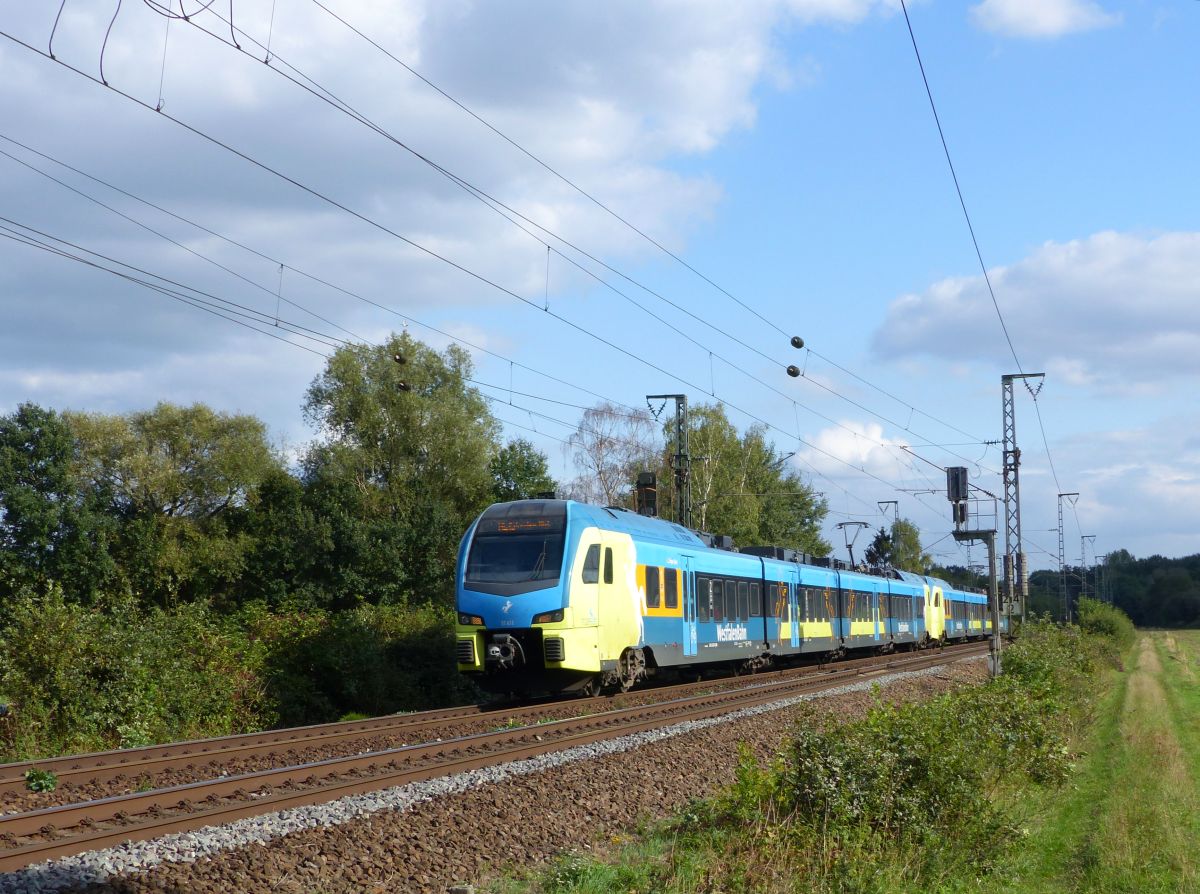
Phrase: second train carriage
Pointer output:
(556, 595)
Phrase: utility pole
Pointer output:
(1062, 559)
(1083, 539)
(682, 461)
(958, 492)
(1016, 585)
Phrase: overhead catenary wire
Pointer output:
(467, 271)
(974, 240)
(307, 274)
(551, 170)
(754, 417)
(516, 218)
(592, 198)
(215, 310)
(354, 114)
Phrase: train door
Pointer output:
(619, 602)
(795, 594)
(935, 612)
(689, 608)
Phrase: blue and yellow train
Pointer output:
(555, 595)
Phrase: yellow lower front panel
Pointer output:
(581, 648)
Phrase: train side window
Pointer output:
(731, 612)
(755, 601)
(651, 586)
(608, 563)
(718, 600)
(591, 565)
(703, 598)
(671, 587)
(743, 600)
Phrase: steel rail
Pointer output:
(134, 762)
(144, 762)
(179, 808)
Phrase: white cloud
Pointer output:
(1040, 18)
(857, 445)
(1116, 311)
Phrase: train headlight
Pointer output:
(469, 620)
(548, 617)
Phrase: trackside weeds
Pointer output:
(912, 797)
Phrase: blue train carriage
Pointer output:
(804, 611)
(903, 610)
(554, 595)
(966, 613)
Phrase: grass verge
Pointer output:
(1074, 772)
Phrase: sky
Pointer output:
(712, 179)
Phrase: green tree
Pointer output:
(907, 553)
(879, 553)
(177, 480)
(519, 472)
(742, 487)
(50, 528)
(402, 467)
(290, 544)
(899, 548)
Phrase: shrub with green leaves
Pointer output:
(91, 678)
(1106, 620)
(369, 660)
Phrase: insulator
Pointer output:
(794, 371)
(399, 358)
(797, 341)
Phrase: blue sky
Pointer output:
(785, 149)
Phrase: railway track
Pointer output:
(46, 833)
(109, 773)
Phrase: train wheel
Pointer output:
(631, 668)
(591, 687)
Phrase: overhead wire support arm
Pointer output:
(682, 461)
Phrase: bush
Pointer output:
(1106, 620)
(913, 793)
(369, 660)
(85, 679)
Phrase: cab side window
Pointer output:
(608, 563)
(671, 588)
(591, 565)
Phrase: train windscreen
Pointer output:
(517, 548)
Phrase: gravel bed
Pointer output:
(428, 836)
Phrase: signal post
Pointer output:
(958, 492)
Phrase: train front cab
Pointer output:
(546, 601)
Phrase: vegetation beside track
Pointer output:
(118, 674)
(951, 795)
